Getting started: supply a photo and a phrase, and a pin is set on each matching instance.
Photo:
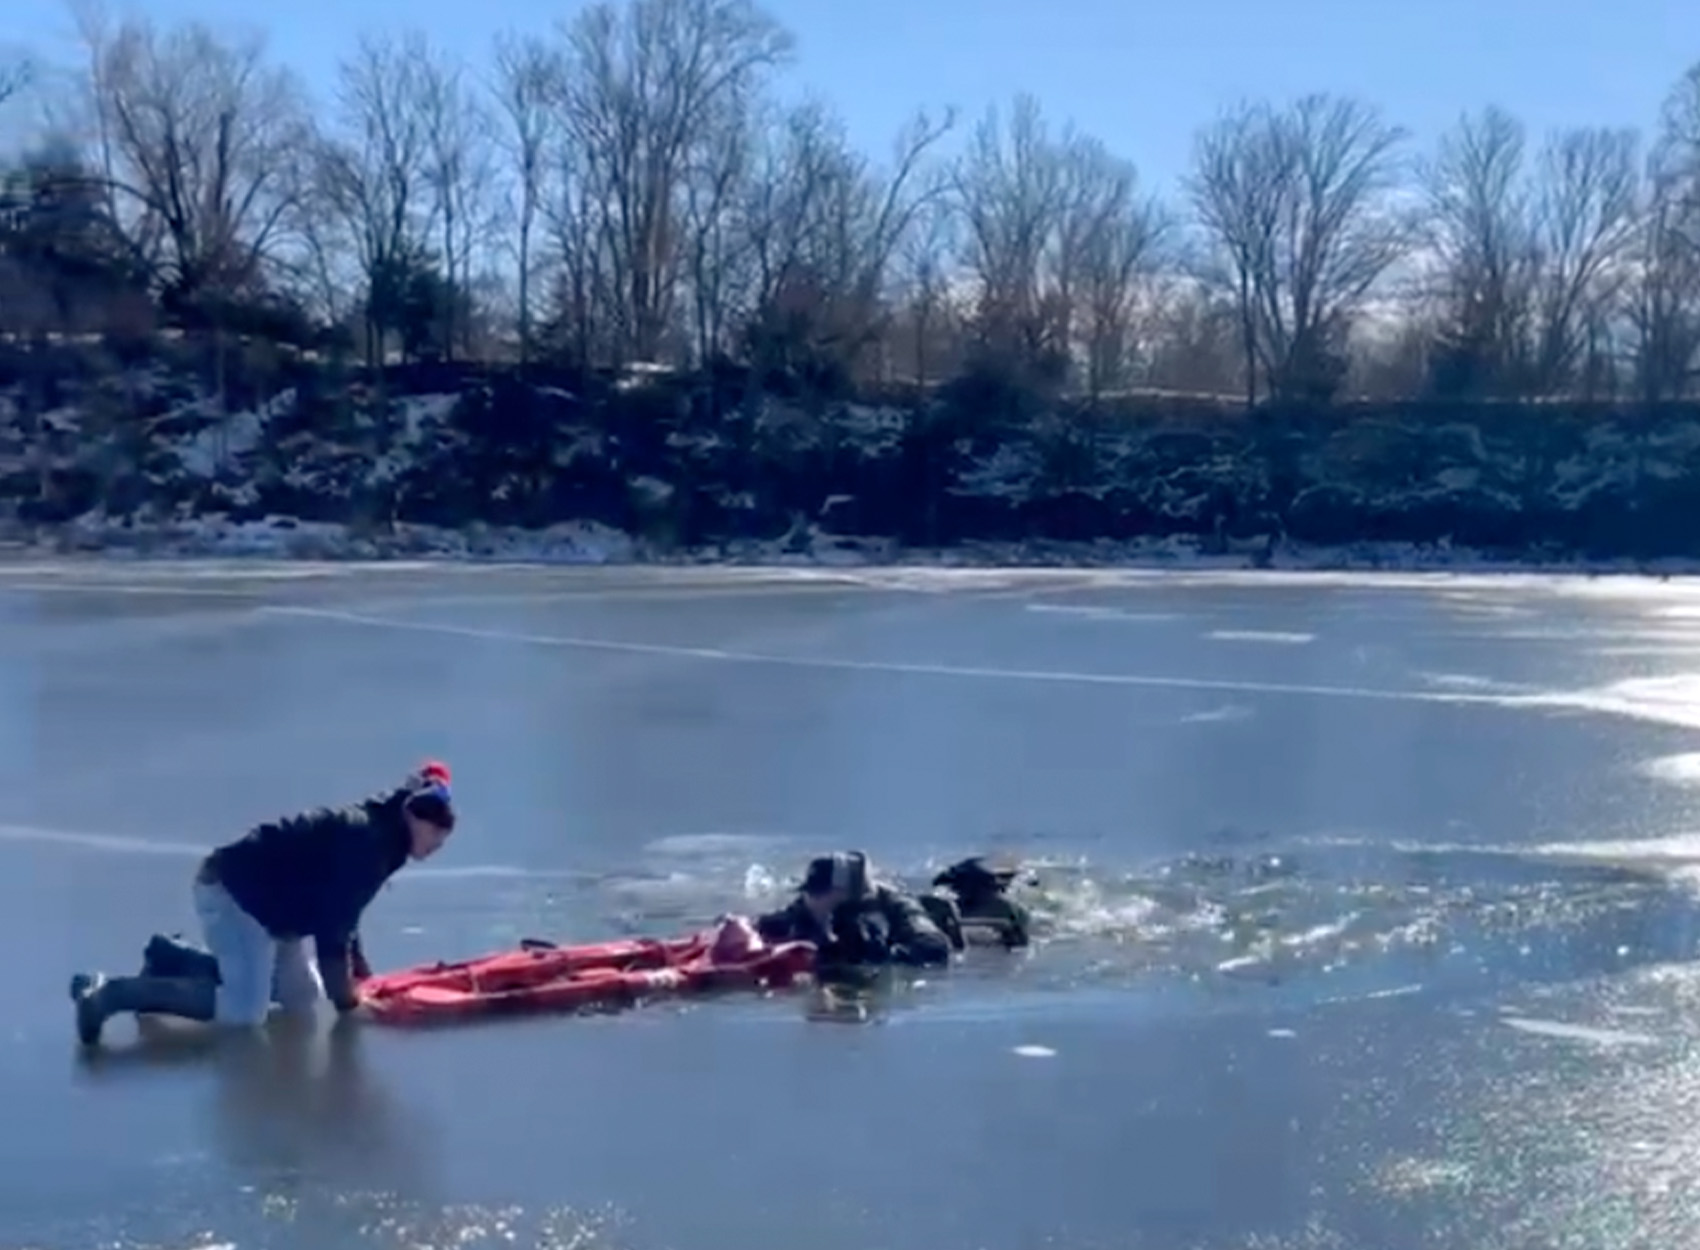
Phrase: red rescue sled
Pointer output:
(542, 977)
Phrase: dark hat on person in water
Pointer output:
(978, 874)
(843, 870)
(430, 797)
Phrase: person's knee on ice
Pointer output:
(296, 986)
(246, 953)
(306, 876)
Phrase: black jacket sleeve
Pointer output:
(789, 924)
(335, 971)
(915, 939)
(342, 966)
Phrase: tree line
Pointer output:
(626, 190)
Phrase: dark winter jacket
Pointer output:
(312, 875)
(885, 926)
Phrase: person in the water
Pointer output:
(855, 920)
(979, 892)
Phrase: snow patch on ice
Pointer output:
(1087, 613)
(1217, 715)
(879, 562)
(1676, 770)
(1579, 1032)
(1673, 699)
(1260, 635)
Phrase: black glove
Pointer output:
(872, 939)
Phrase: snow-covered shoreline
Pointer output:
(95, 538)
(1448, 490)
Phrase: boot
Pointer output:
(98, 998)
(173, 956)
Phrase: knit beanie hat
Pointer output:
(430, 797)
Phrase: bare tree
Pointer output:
(460, 167)
(801, 151)
(582, 287)
(1586, 219)
(881, 211)
(1059, 240)
(716, 225)
(375, 175)
(14, 77)
(1113, 232)
(826, 227)
(644, 85)
(1297, 203)
(1010, 192)
(1481, 231)
(1196, 343)
(1663, 292)
(926, 321)
(205, 141)
(527, 86)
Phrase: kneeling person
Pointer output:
(261, 896)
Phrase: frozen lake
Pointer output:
(1372, 904)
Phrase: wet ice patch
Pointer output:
(1242, 965)
(1086, 612)
(1396, 991)
(112, 842)
(1481, 605)
(471, 872)
(1469, 681)
(1411, 1175)
(1676, 770)
(924, 579)
(694, 845)
(1677, 854)
(1669, 700)
(1579, 1032)
(1276, 636)
(1218, 715)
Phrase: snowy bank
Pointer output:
(471, 463)
(590, 543)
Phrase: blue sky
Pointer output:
(1140, 74)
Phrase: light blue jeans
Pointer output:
(255, 969)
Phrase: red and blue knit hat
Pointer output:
(431, 797)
